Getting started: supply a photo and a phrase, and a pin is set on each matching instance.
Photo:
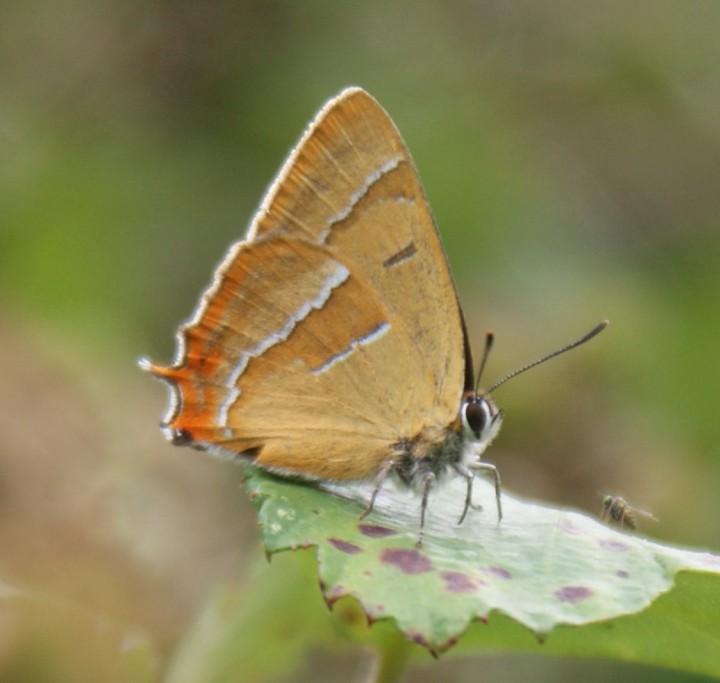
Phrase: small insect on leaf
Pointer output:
(617, 509)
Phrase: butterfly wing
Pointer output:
(351, 184)
(332, 332)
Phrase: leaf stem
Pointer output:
(392, 658)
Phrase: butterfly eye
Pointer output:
(476, 415)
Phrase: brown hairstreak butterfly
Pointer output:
(330, 345)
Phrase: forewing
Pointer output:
(351, 184)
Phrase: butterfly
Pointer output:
(331, 345)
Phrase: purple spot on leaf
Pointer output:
(334, 595)
(344, 546)
(417, 638)
(499, 572)
(573, 593)
(375, 531)
(338, 591)
(457, 582)
(569, 528)
(407, 561)
(614, 546)
(622, 574)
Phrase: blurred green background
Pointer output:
(571, 153)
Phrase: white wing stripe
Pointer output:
(374, 334)
(335, 279)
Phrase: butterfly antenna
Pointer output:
(489, 338)
(578, 342)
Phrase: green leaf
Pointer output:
(542, 568)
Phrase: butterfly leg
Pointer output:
(428, 483)
(382, 475)
(489, 467)
(469, 478)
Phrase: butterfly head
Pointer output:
(480, 418)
